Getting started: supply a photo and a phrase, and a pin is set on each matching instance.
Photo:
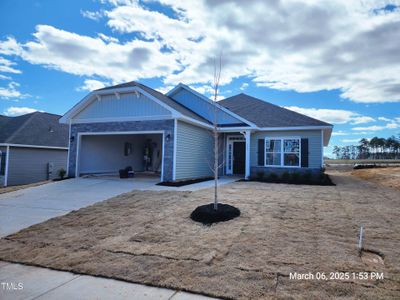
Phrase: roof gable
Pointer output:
(123, 105)
(205, 107)
(176, 108)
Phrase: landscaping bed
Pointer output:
(180, 183)
(148, 237)
(293, 178)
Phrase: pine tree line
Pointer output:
(375, 148)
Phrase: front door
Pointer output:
(239, 157)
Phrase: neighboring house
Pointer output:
(33, 148)
(133, 125)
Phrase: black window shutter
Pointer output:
(261, 152)
(304, 153)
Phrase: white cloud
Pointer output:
(87, 56)
(91, 85)
(10, 46)
(287, 45)
(339, 133)
(4, 77)
(392, 125)
(244, 86)
(165, 88)
(369, 128)
(10, 91)
(6, 66)
(384, 119)
(14, 111)
(204, 89)
(377, 128)
(335, 116)
(361, 120)
(350, 140)
(107, 38)
(92, 15)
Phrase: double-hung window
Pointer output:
(282, 152)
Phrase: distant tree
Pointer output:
(364, 148)
(336, 151)
(374, 144)
(375, 148)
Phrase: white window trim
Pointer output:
(281, 151)
(229, 141)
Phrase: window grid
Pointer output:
(281, 152)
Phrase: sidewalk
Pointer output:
(42, 283)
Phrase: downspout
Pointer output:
(69, 147)
(246, 134)
(322, 148)
(6, 170)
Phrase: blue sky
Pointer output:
(339, 62)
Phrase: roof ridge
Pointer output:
(20, 128)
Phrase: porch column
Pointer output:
(247, 166)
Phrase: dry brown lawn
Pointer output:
(389, 177)
(148, 237)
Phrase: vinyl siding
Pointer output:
(129, 105)
(314, 144)
(202, 108)
(194, 151)
(28, 165)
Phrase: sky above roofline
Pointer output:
(337, 61)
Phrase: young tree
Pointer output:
(216, 81)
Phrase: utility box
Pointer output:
(50, 169)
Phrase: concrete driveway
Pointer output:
(33, 205)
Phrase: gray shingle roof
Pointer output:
(39, 129)
(265, 114)
(160, 96)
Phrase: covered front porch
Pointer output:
(236, 153)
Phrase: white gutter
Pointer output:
(33, 146)
(294, 128)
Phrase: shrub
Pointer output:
(295, 177)
(61, 173)
(260, 175)
(285, 177)
(307, 176)
(321, 177)
(273, 177)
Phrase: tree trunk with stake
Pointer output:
(217, 75)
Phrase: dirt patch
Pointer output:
(149, 238)
(14, 188)
(389, 177)
(372, 258)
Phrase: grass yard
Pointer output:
(148, 237)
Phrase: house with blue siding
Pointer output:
(170, 135)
